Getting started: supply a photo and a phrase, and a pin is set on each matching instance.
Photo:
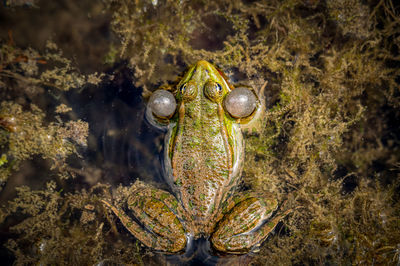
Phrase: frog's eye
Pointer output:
(213, 91)
(241, 102)
(162, 103)
(188, 91)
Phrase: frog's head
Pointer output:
(204, 81)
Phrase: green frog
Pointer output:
(203, 160)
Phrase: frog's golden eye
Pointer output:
(188, 91)
(213, 91)
(162, 103)
(241, 102)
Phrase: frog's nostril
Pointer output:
(241, 102)
(162, 103)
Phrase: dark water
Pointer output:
(199, 252)
(121, 142)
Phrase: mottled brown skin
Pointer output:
(203, 162)
(202, 153)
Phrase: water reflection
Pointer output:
(121, 143)
(199, 252)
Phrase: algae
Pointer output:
(327, 147)
(25, 130)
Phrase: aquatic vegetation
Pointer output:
(330, 69)
(25, 131)
(25, 136)
(61, 228)
(327, 145)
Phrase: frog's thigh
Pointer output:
(245, 225)
(157, 210)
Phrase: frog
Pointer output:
(203, 162)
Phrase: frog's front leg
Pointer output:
(246, 224)
(158, 212)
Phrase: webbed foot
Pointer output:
(156, 212)
(246, 225)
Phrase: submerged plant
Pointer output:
(330, 69)
(24, 128)
(327, 146)
(29, 132)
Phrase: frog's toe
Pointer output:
(245, 226)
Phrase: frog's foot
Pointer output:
(156, 211)
(246, 224)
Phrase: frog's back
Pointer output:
(205, 150)
(202, 163)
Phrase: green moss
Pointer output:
(25, 74)
(332, 92)
(29, 136)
